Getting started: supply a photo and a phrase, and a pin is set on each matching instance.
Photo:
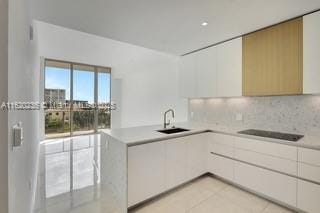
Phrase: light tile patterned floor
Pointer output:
(209, 195)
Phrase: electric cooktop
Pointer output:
(270, 134)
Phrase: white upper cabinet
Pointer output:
(229, 77)
(311, 52)
(213, 72)
(206, 71)
(187, 76)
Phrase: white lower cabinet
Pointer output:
(267, 161)
(272, 184)
(221, 144)
(309, 156)
(236, 166)
(308, 196)
(267, 148)
(146, 171)
(157, 167)
(309, 169)
(176, 162)
(160, 166)
(220, 166)
(197, 146)
(309, 172)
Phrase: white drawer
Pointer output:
(268, 161)
(220, 166)
(272, 184)
(309, 156)
(222, 139)
(309, 172)
(308, 197)
(220, 149)
(221, 144)
(269, 148)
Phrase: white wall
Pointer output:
(3, 114)
(23, 79)
(148, 78)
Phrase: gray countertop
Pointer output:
(145, 134)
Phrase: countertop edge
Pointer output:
(167, 137)
(208, 130)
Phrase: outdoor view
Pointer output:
(74, 95)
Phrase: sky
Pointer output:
(83, 84)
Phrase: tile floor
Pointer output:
(209, 195)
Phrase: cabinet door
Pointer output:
(196, 155)
(206, 71)
(268, 148)
(311, 51)
(221, 144)
(308, 196)
(309, 156)
(274, 156)
(267, 161)
(187, 76)
(272, 60)
(229, 63)
(309, 164)
(176, 162)
(309, 172)
(275, 185)
(146, 171)
(220, 166)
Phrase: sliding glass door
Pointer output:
(57, 90)
(83, 97)
(104, 91)
(74, 94)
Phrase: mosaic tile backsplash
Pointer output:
(296, 114)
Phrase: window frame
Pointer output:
(96, 69)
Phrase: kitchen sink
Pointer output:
(172, 130)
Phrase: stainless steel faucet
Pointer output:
(165, 123)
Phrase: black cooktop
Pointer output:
(275, 135)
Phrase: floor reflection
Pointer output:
(69, 176)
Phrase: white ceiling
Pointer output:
(172, 26)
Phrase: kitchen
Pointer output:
(160, 106)
(247, 125)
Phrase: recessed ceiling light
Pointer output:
(204, 23)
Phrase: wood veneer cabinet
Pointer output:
(273, 60)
